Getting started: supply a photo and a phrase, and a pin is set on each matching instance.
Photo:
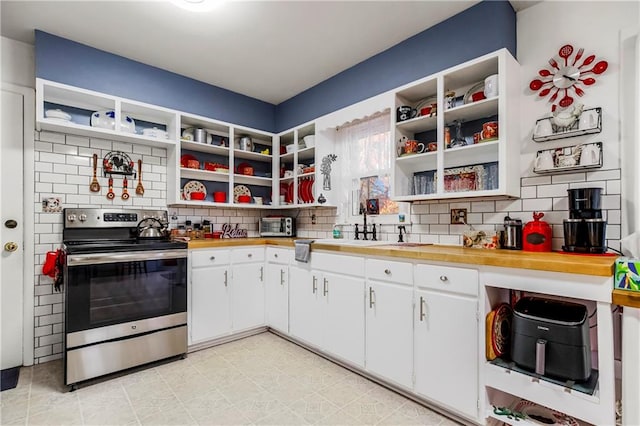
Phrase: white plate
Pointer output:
(193, 186)
(240, 190)
(57, 113)
(529, 408)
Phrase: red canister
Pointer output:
(536, 235)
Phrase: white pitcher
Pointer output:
(590, 155)
(544, 161)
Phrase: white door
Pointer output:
(247, 296)
(444, 322)
(12, 229)
(344, 316)
(277, 297)
(389, 324)
(305, 315)
(210, 303)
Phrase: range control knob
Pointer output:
(71, 218)
(82, 217)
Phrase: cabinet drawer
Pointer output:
(350, 265)
(249, 254)
(200, 258)
(455, 280)
(388, 270)
(279, 255)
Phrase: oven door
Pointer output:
(104, 289)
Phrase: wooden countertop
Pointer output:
(552, 262)
(626, 298)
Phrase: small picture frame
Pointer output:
(373, 206)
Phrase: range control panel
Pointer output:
(109, 218)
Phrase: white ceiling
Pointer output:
(269, 50)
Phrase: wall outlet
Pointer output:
(458, 216)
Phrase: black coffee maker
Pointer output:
(585, 230)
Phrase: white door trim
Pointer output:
(29, 217)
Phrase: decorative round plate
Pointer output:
(312, 190)
(240, 190)
(193, 186)
(543, 416)
(478, 87)
(289, 198)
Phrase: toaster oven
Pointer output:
(277, 227)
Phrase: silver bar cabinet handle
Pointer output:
(281, 276)
(325, 287)
(314, 286)
(422, 314)
(226, 275)
(262, 273)
(371, 302)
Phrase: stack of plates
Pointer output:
(57, 115)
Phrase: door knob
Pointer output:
(11, 246)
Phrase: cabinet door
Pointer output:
(446, 350)
(389, 325)
(247, 297)
(344, 316)
(304, 305)
(210, 296)
(277, 297)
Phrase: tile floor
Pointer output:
(258, 380)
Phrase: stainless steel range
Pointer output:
(126, 297)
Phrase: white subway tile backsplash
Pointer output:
(453, 240)
(42, 331)
(610, 202)
(65, 169)
(483, 206)
(589, 184)
(60, 188)
(420, 208)
(49, 319)
(51, 177)
(44, 167)
(122, 146)
(42, 351)
(529, 192)
(604, 175)
(65, 149)
(538, 180)
(439, 208)
(79, 160)
(537, 204)
(142, 150)
(100, 144)
(439, 229)
(426, 218)
(613, 217)
(613, 187)
(556, 190)
(508, 205)
(80, 141)
(568, 178)
(43, 187)
(42, 147)
(52, 137)
(48, 157)
(613, 232)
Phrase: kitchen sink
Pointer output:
(407, 244)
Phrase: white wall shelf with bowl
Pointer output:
(68, 109)
(568, 159)
(592, 401)
(589, 122)
(297, 167)
(485, 167)
(210, 153)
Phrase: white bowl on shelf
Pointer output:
(290, 148)
(107, 120)
(309, 141)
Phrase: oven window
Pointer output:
(112, 293)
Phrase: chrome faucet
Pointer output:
(365, 231)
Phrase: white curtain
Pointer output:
(365, 149)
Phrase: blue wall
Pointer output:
(451, 42)
(76, 64)
(481, 29)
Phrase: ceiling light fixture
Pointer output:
(198, 5)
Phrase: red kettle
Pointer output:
(537, 235)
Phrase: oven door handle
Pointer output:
(100, 258)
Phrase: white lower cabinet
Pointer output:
(326, 308)
(344, 316)
(304, 306)
(247, 291)
(389, 321)
(276, 297)
(446, 359)
(209, 296)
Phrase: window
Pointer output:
(367, 152)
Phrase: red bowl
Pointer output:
(478, 96)
(219, 197)
(244, 198)
(198, 196)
